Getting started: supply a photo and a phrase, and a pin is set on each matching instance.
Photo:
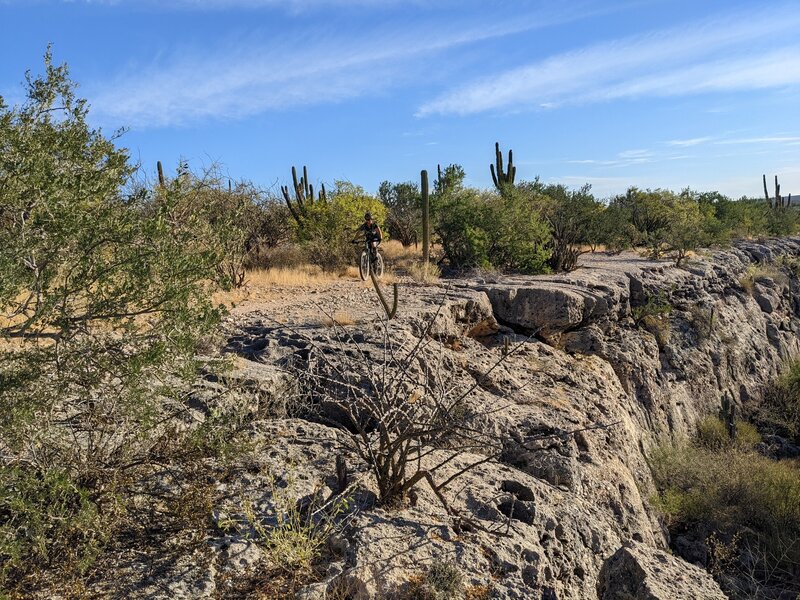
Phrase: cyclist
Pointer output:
(372, 233)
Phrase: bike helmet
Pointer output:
(368, 217)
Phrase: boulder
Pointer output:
(639, 572)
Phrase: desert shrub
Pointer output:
(656, 306)
(722, 490)
(759, 271)
(104, 298)
(741, 218)
(284, 256)
(222, 220)
(487, 229)
(689, 228)
(460, 225)
(649, 212)
(653, 316)
(613, 228)
(666, 222)
(270, 229)
(782, 222)
(712, 434)
(441, 581)
(779, 412)
(47, 521)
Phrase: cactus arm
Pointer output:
(498, 156)
(494, 177)
(426, 226)
(295, 215)
(307, 187)
(766, 193)
(298, 192)
(390, 313)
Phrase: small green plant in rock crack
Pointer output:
(758, 271)
(653, 316)
(442, 581)
(656, 306)
(298, 532)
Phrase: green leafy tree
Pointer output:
(404, 204)
(460, 225)
(520, 238)
(571, 215)
(103, 297)
(689, 228)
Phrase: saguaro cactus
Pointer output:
(503, 178)
(303, 194)
(727, 415)
(776, 202)
(160, 173)
(426, 225)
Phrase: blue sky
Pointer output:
(646, 93)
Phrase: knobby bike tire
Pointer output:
(364, 266)
(377, 265)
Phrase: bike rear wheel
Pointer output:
(363, 266)
(377, 265)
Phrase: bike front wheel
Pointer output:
(377, 265)
(363, 266)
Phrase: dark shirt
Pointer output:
(371, 232)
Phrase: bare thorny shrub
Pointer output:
(408, 409)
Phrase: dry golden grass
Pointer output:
(340, 318)
(393, 251)
(300, 276)
(260, 283)
(424, 272)
(351, 272)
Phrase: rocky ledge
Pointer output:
(565, 517)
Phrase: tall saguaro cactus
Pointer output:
(776, 202)
(160, 173)
(426, 225)
(303, 194)
(503, 178)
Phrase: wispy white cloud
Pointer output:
(689, 142)
(776, 139)
(626, 158)
(735, 52)
(250, 76)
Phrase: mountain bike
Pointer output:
(370, 260)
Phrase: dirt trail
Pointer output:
(344, 299)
